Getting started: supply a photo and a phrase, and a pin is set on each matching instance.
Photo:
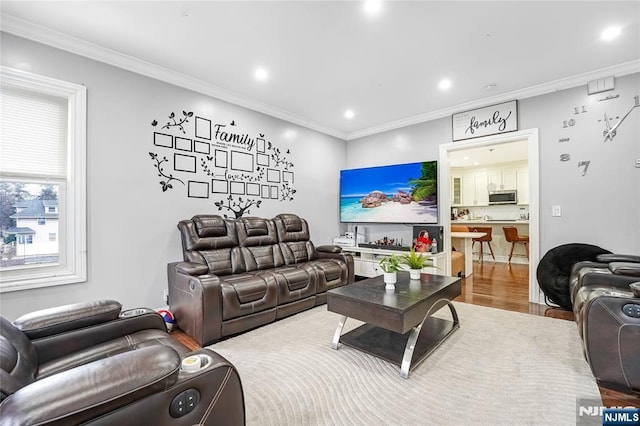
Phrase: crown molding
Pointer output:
(28, 30)
(40, 34)
(528, 92)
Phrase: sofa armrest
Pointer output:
(57, 345)
(91, 390)
(340, 255)
(60, 319)
(628, 269)
(196, 304)
(615, 257)
(329, 249)
(192, 268)
(607, 281)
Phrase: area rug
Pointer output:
(499, 368)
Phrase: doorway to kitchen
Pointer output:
(530, 139)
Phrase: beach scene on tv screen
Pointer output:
(402, 193)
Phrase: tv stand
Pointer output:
(367, 260)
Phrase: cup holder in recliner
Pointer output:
(635, 288)
(195, 363)
(135, 312)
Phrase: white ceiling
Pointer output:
(486, 156)
(324, 57)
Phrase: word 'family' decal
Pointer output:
(222, 160)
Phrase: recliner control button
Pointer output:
(183, 403)
(631, 310)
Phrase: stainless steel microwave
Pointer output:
(503, 197)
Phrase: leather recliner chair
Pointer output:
(606, 304)
(91, 363)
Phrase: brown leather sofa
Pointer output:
(239, 274)
(606, 303)
(91, 363)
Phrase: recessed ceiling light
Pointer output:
(610, 33)
(444, 84)
(261, 74)
(372, 7)
(349, 114)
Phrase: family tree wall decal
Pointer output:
(239, 169)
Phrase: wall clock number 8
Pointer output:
(610, 132)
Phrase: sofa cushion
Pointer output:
(244, 294)
(207, 232)
(218, 261)
(291, 228)
(256, 231)
(297, 252)
(210, 226)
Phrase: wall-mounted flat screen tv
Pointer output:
(400, 193)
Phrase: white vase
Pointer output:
(414, 274)
(390, 279)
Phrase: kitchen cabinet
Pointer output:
(456, 190)
(474, 189)
(503, 179)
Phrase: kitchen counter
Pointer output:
(488, 222)
(501, 247)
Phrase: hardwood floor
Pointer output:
(502, 286)
(506, 286)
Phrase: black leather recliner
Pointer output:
(91, 363)
(606, 303)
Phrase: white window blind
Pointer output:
(43, 142)
(34, 134)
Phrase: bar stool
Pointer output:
(487, 238)
(511, 234)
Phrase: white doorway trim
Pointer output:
(444, 189)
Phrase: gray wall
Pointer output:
(601, 208)
(132, 232)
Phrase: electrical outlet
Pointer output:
(165, 296)
(556, 211)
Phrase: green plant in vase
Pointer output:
(415, 261)
(390, 265)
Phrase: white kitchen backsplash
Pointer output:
(506, 212)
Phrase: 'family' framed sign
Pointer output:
(491, 120)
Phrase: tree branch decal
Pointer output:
(278, 157)
(165, 183)
(286, 192)
(177, 122)
(239, 208)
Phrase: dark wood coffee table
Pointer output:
(399, 325)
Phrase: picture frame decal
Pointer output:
(219, 186)
(184, 163)
(162, 139)
(203, 128)
(183, 144)
(198, 189)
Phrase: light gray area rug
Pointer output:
(499, 368)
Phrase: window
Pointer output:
(43, 162)
(25, 239)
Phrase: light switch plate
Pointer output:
(556, 211)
